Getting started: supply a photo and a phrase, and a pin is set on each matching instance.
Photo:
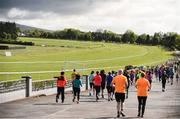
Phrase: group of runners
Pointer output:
(118, 83)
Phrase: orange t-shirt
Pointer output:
(61, 83)
(97, 80)
(142, 85)
(120, 82)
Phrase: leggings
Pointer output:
(142, 102)
(76, 91)
(97, 90)
(60, 90)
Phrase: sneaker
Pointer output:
(56, 100)
(123, 115)
(73, 99)
(77, 102)
(142, 116)
(89, 94)
(138, 115)
(108, 99)
(118, 115)
(111, 99)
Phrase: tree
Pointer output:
(177, 42)
(129, 37)
(157, 38)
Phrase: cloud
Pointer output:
(17, 13)
(141, 16)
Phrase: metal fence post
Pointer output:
(28, 85)
(85, 78)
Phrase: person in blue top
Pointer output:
(91, 77)
(77, 84)
(109, 87)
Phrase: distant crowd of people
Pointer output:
(118, 83)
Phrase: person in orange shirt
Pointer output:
(142, 86)
(61, 83)
(120, 82)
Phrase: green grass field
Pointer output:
(55, 55)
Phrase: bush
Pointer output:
(4, 47)
(16, 42)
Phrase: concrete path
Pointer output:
(159, 105)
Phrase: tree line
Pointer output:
(9, 34)
(170, 40)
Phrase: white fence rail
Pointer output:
(20, 89)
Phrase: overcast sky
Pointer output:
(141, 16)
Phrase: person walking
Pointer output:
(177, 77)
(91, 77)
(73, 76)
(97, 84)
(120, 82)
(171, 75)
(149, 77)
(109, 87)
(126, 74)
(61, 83)
(77, 84)
(103, 82)
(132, 77)
(164, 78)
(142, 86)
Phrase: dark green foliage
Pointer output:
(8, 34)
(8, 30)
(7, 41)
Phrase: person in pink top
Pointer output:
(97, 84)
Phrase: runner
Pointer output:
(120, 83)
(164, 78)
(77, 84)
(91, 77)
(149, 77)
(171, 75)
(103, 82)
(156, 72)
(137, 75)
(160, 71)
(142, 86)
(114, 74)
(126, 74)
(132, 76)
(61, 82)
(97, 84)
(177, 77)
(73, 76)
(109, 87)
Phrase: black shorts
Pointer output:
(91, 85)
(103, 86)
(109, 89)
(120, 97)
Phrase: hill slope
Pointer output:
(25, 27)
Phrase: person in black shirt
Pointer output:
(103, 83)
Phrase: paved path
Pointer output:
(159, 105)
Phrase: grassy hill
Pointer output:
(30, 28)
(49, 56)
